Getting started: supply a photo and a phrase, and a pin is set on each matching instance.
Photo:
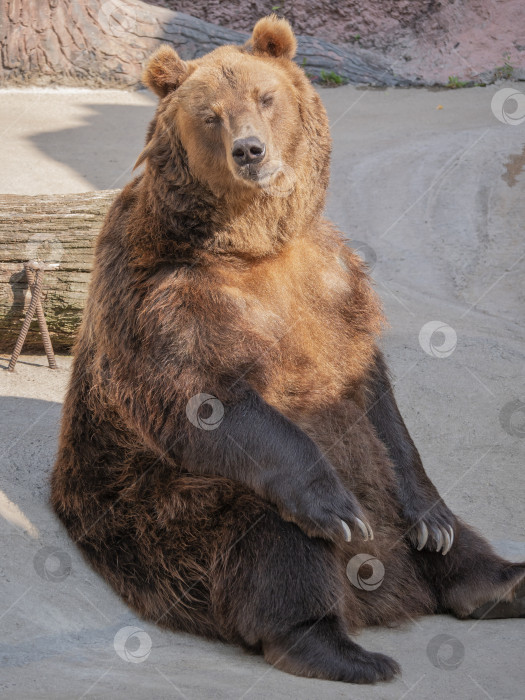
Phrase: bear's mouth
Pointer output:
(255, 172)
(268, 174)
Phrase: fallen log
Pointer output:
(101, 43)
(54, 229)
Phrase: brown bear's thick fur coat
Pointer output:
(221, 278)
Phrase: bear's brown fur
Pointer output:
(216, 276)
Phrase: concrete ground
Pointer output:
(429, 186)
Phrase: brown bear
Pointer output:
(230, 441)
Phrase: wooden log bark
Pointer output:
(106, 42)
(54, 229)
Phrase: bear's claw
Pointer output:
(443, 536)
(364, 527)
(448, 534)
(347, 531)
(438, 536)
(422, 535)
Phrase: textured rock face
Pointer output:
(424, 40)
(340, 22)
(105, 42)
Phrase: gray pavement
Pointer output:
(434, 198)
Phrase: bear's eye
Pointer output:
(266, 100)
(211, 119)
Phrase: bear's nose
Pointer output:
(250, 150)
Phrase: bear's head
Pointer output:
(241, 120)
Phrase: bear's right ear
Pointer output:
(273, 37)
(165, 71)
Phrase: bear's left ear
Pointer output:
(273, 37)
(165, 71)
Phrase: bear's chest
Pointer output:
(306, 318)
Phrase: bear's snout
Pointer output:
(248, 151)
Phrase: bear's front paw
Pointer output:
(323, 508)
(432, 528)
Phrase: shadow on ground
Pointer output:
(102, 150)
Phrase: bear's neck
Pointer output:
(183, 220)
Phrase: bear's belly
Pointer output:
(303, 358)
(314, 367)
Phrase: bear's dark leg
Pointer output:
(281, 592)
(473, 575)
(430, 522)
(469, 574)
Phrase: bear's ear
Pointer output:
(165, 71)
(273, 37)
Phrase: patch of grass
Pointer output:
(331, 78)
(309, 75)
(506, 71)
(454, 82)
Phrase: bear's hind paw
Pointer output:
(321, 649)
